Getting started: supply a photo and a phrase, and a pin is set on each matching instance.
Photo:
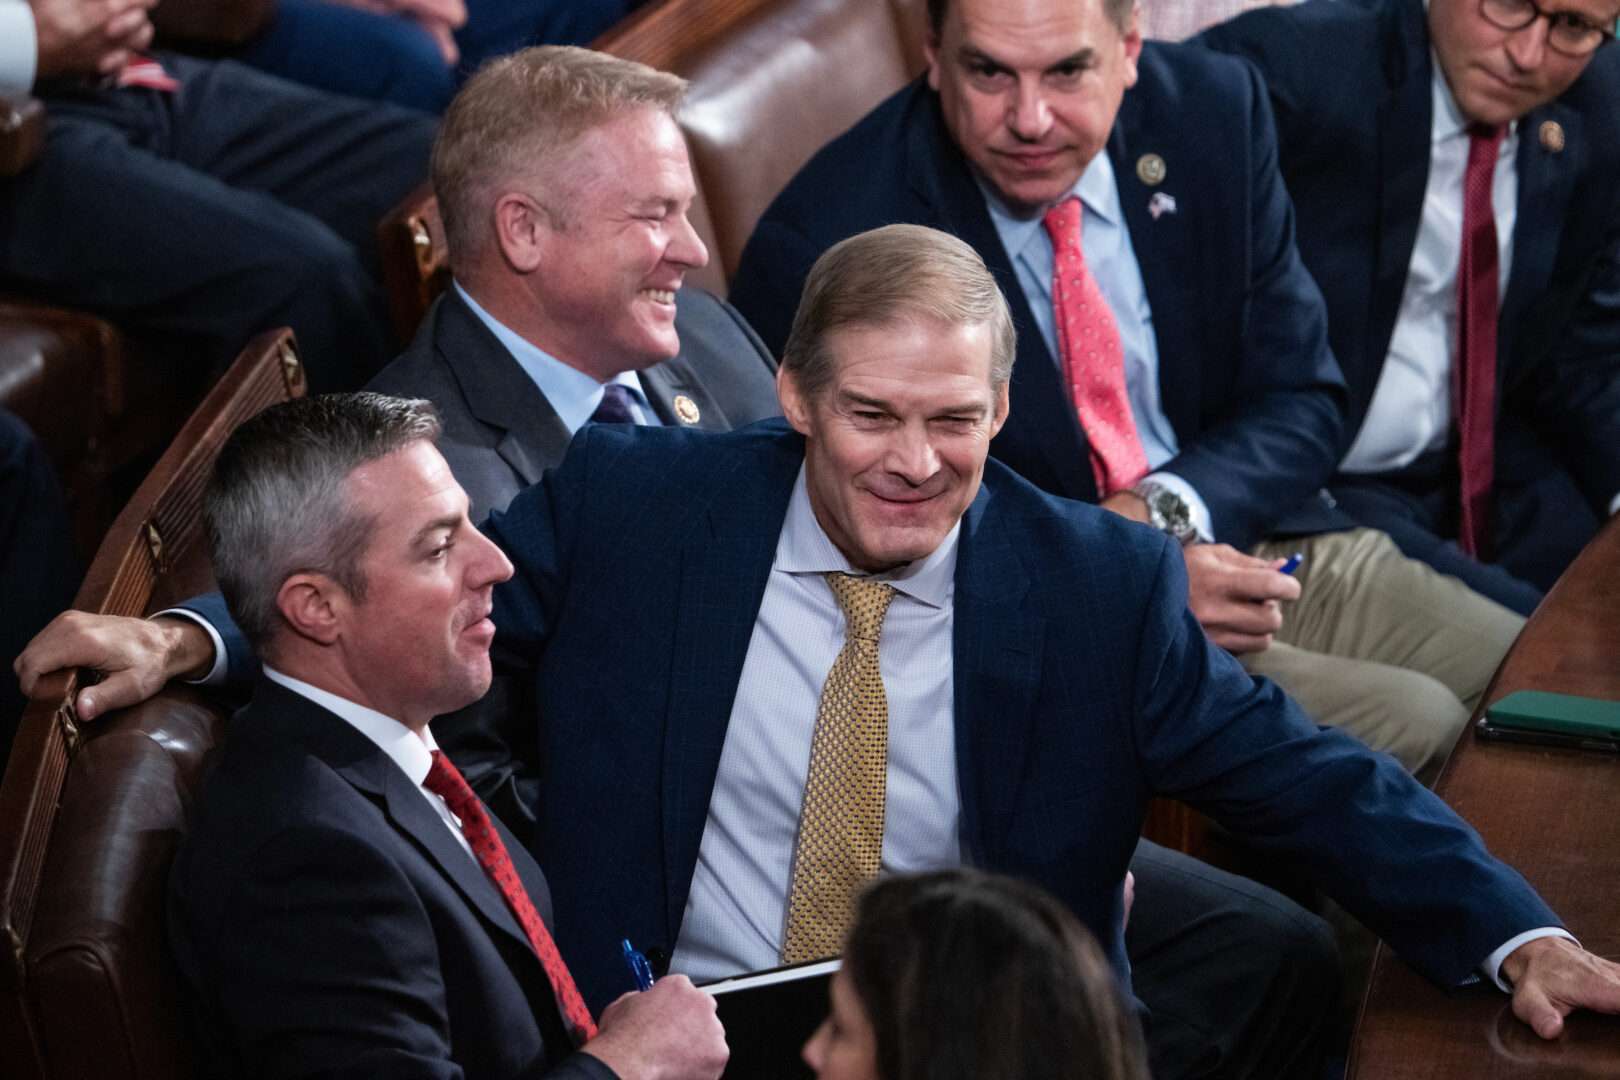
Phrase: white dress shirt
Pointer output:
(412, 753)
(736, 911)
(19, 47)
(1410, 411)
(1106, 244)
(572, 394)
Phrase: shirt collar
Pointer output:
(572, 394)
(413, 755)
(805, 548)
(1097, 191)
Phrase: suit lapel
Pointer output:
(1405, 127)
(943, 184)
(1546, 180)
(997, 646)
(1164, 251)
(723, 572)
(499, 392)
(662, 383)
(280, 714)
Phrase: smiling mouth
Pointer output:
(660, 296)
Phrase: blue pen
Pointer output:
(640, 970)
(1292, 564)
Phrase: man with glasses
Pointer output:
(1453, 167)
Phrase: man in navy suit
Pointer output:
(1233, 397)
(1375, 138)
(340, 906)
(1041, 674)
(1077, 681)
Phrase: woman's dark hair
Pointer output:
(973, 976)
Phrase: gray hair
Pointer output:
(518, 117)
(276, 504)
(887, 276)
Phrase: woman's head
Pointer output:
(962, 974)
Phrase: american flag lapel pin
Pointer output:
(1162, 203)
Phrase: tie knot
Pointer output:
(446, 781)
(864, 601)
(1063, 225)
(615, 406)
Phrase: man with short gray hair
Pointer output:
(343, 903)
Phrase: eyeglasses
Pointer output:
(1568, 32)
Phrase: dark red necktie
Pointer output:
(446, 781)
(1093, 357)
(1474, 369)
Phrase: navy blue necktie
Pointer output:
(615, 407)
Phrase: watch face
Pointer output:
(1170, 513)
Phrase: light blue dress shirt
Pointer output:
(573, 395)
(19, 47)
(1106, 243)
(736, 911)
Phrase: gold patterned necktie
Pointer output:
(841, 822)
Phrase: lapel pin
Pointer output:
(1150, 169)
(686, 410)
(1552, 136)
(1162, 203)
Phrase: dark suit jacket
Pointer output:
(1350, 84)
(1245, 375)
(1082, 686)
(500, 433)
(326, 921)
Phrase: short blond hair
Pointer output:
(888, 276)
(519, 116)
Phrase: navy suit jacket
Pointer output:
(326, 921)
(1350, 84)
(500, 432)
(1245, 375)
(1082, 687)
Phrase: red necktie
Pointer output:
(446, 781)
(1474, 369)
(1093, 359)
(146, 72)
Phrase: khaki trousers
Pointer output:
(1382, 646)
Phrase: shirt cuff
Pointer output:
(19, 48)
(1196, 507)
(1614, 504)
(216, 674)
(1492, 967)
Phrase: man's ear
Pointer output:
(314, 606)
(795, 406)
(521, 230)
(1133, 44)
(1003, 408)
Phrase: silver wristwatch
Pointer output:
(1167, 511)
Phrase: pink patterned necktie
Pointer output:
(446, 781)
(145, 71)
(1474, 369)
(1093, 359)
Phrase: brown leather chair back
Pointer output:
(93, 813)
(773, 91)
(415, 261)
